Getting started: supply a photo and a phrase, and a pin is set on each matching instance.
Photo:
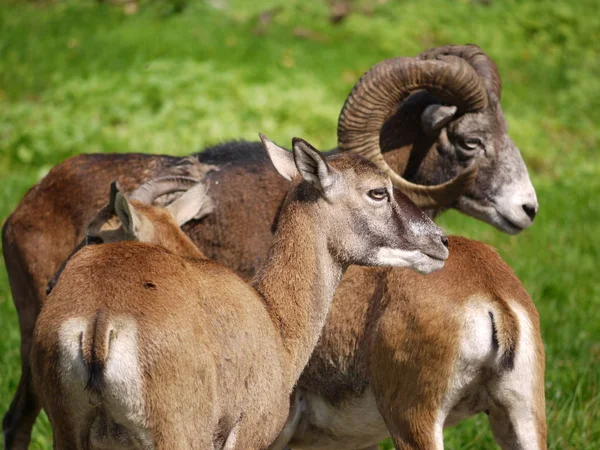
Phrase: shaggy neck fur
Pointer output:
(298, 281)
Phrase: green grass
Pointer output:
(82, 77)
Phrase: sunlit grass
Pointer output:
(83, 77)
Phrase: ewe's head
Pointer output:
(442, 107)
(364, 221)
(137, 220)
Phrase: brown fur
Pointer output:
(403, 343)
(166, 315)
(50, 220)
(214, 358)
(237, 236)
(34, 253)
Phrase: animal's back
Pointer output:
(51, 218)
(147, 334)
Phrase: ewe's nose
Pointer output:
(445, 241)
(530, 209)
(435, 244)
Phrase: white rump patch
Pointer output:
(121, 396)
(122, 377)
(73, 371)
(466, 394)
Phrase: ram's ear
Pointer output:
(282, 159)
(130, 218)
(436, 116)
(312, 165)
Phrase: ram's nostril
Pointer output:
(530, 210)
(445, 241)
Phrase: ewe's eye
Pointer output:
(469, 143)
(378, 194)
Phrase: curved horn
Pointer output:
(151, 190)
(477, 58)
(440, 195)
(376, 97)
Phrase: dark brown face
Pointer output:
(502, 194)
(407, 108)
(105, 227)
(377, 225)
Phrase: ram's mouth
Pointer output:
(487, 211)
(508, 225)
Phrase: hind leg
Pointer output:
(415, 431)
(517, 416)
(64, 438)
(297, 408)
(25, 406)
(411, 408)
(518, 409)
(20, 418)
(410, 369)
(516, 428)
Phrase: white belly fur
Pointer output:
(357, 423)
(354, 424)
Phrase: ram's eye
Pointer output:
(469, 143)
(93, 240)
(378, 194)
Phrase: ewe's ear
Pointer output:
(435, 117)
(311, 165)
(282, 159)
(193, 204)
(130, 218)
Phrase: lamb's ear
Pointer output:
(130, 218)
(193, 204)
(112, 197)
(312, 165)
(436, 116)
(282, 159)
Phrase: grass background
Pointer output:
(175, 76)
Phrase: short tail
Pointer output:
(95, 346)
(99, 370)
(505, 333)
